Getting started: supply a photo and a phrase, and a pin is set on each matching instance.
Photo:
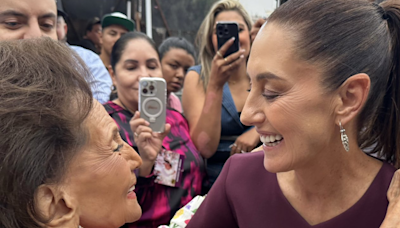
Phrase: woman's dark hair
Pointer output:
(176, 42)
(121, 43)
(349, 37)
(44, 101)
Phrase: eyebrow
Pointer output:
(48, 15)
(152, 60)
(267, 75)
(12, 13)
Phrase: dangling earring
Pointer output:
(343, 136)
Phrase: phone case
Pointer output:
(152, 102)
(225, 31)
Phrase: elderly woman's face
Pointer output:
(139, 59)
(101, 177)
(291, 110)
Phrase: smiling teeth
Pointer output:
(131, 189)
(266, 139)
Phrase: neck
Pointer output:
(130, 106)
(331, 173)
(105, 58)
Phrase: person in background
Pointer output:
(101, 81)
(256, 27)
(325, 86)
(135, 56)
(63, 163)
(114, 26)
(92, 38)
(177, 56)
(215, 91)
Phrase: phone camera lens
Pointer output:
(144, 84)
(151, 87)
(144, 91)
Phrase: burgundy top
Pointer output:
(246, 195)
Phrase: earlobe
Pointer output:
(353, 95)
(112, 73)
(56, 207)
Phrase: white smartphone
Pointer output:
(152, 102)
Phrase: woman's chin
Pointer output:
(275, 166)
(134, 213)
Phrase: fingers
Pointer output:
(225, 47)
(237, 148)
(394, 188)
(138, 123)
(256, 27)
(162, 135)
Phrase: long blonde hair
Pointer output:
(204, 35)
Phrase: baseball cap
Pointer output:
(60, 10)
(93, 21)
(118, 18)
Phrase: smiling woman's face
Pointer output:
(101, 177)
(138, 59)
(291, 110)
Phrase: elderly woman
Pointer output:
(62, 161)
(325, 77)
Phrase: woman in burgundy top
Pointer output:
(322, 75)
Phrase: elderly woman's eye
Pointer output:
(118, 148)
(269, 95)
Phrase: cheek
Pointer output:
(214, 42)
(244, 38)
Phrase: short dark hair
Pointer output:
(349, 37)
(176, 42)
(121, 43)
(91, 23)
(44, 102)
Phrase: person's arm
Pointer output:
(100, 82)
(203, 109)
(215, 211)
(392, 218)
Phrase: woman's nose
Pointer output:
(252, 113)
(132, 157)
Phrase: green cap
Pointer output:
(117, 18)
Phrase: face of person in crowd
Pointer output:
(244, 35)
(139, 59)
(62, 29)
(95, 34)
(24, 19)
(110, 35)
(290, 109)
(101, 177)
(175, 64)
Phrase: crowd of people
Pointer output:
(298, 128)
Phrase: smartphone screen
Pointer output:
(225, 31)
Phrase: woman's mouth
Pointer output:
(271, 140)
(131, 194)
(176, 85)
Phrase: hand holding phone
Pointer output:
(225, 31)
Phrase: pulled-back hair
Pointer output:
(176, 42)
(44, 100)
(204, 35)
(349, 37)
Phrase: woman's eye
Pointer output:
(152, 66)
(130, 68)
(118, 148)
(173, 66)
(270, 95)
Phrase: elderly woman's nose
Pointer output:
(132, 157)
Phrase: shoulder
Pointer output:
(112, 108)
(85, 54)
(196, 68)
(385, 174)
